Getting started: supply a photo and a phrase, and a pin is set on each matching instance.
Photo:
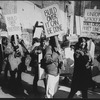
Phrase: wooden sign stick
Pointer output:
(16, 41)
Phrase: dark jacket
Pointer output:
(81, 76)
(52, 61)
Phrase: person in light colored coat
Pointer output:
(53, 64)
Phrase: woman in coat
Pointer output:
(82, 72)
(52, 68)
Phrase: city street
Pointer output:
(51, 35)
(24, 90)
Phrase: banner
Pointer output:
(91, 22)
(27, 39)
(13, 24)
(52, 20)
(92, 15)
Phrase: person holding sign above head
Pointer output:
(52, 67)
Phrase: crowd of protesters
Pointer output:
(17, 59)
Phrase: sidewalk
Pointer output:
(27, 81)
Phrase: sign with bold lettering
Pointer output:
(91, 22)
(92, 15)
(52, 20)
(13, 24)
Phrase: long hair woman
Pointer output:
(81, 76)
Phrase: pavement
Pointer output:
(14, 90)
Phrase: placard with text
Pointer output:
(91, 22)
(52, 20)
(13, 24)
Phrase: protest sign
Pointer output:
(91, 22)
(92, 15)
(13, 24)
(37, 33)
(52, 20)
(27, 39)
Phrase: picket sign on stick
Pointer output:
(13, 24)
(91, 23)
(2, 49)
(52, 20)
(16, 41)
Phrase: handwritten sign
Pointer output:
(91, 21)
(27, 39)
(92, 15)
(52, 21)
(13, 24)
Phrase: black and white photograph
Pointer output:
(50, 49)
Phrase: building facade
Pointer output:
(69, 9)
